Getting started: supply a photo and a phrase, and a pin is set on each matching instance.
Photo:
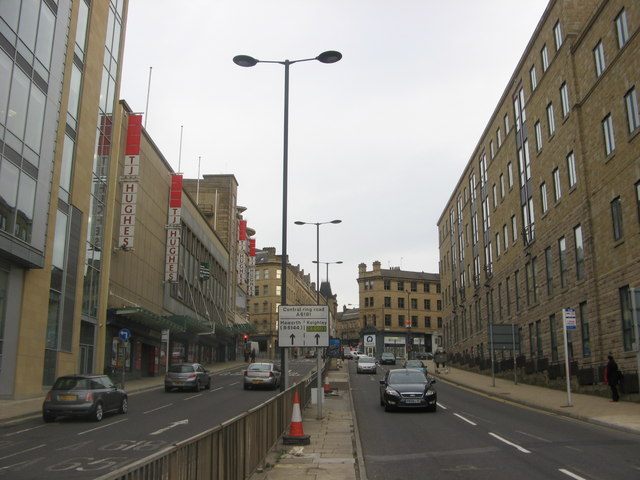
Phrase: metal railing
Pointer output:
(232, 450)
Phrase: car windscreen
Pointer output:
(260, 366)
(405, 378)
(180, 369)
(70, 383)
(366, 360)
(415, 364)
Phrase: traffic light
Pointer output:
(246, 337)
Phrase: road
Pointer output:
(474, 436)
(78, 449)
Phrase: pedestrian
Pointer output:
(253, 355)
(611, 378)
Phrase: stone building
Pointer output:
(401, 310)
(544, 222)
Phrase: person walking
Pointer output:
(611, 378)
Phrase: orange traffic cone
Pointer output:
(296, 434)
(327, 387)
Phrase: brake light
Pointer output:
(193, 375)
(89, 397)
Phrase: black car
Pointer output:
(83, 395)
(387, 358)
(407, 388)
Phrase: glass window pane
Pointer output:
(5, 73)
(26, 200)
(60, 240)
(29, 22)
(35, 119)
(45, 35)
(9, 175)
(10, 11)
(18, 103)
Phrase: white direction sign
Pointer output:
(303, 326)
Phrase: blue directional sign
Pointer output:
(124, 334)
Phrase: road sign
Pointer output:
(369, 340)
(569, 315)
(303, 326)
(124, 334)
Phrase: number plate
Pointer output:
(257, 381)
(412, 400)
(178, 383)
(68, 398)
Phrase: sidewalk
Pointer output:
(16, 410)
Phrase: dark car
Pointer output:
(387, 358)
(407, 388)
(262, 375)
(415, 364)
(191, 376)
(83, 395)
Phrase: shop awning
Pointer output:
(190, 324)
(148, 319)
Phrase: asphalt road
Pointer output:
(472, 436)
(78, 449)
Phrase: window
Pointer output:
(494, 192)
(584, 328)
(557, 35)
(548, 257)
(557, 191)
(387, 285)
(543, 197)
(638, 198)
(427, 322)
(414, 286)
(266, 274)
(564, 98)
(554, 338)
(505, 236)
(387, 302)
(400, 286)
(538, 128)
(550, 119)
(265, 290)
(278, 273)
(499, 137)
(579, 244)
(516, 288)
(514, 229)
(387, 320)
(257, 275)
(427, 304)
(533, 78)
(609, 138)
(544, 56)
(598, 57)
(616, 217)
(510, 174)
(628, 334)
(401, 322)
(562, 256)
(571, 169)
(622, 30)
(633, 116)
(400, 302)
(506, 124)
(492, 150)
(501, 186)
(425, 287)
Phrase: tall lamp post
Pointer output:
(317, 262)
(329, 56)
(327, 264)
(409, 325)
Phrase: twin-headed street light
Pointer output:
(329, 56)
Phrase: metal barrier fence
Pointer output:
(232, 450)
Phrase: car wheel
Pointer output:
(98, 413)
(124, 406)
(47, 417)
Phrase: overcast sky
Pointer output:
(378, 140)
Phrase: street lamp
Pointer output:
(408, 324)
(327, 264)
(329, 56)
(317, 262)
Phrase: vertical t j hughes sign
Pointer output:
(174, 229)
(129, 180)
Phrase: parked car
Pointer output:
(417, 364)
(387, 358)
(366, 364)
(346, 353)
(191, 376)
(83, 395)
(262, 375)
(407, 388)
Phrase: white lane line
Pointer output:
(465, 419)
(570, 474)
(24, 451)
(159, 408)
(533, 436)
(170, 426)
(192, 396)
(442, 406)
(103, 426)
(514, 445)
(22, 431)
(215, 389)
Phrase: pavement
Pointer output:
(335, 452)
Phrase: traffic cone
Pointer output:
(296, 434)
(327, 387)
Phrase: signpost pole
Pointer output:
(568, 321)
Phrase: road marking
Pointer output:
(234, 383)
(572, 475)
(22, 431)
(442, 406)
(159, 408)
(465, 419)
(533, 436)
(514, 445)
(215, 389)
(192, 396)
(170, 426)
(24, 451)
(103, 426)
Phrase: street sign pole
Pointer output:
(568, 323)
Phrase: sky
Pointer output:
(378, 140)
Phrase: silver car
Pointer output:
(262, 375)
(191, 376)
(366, 364)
